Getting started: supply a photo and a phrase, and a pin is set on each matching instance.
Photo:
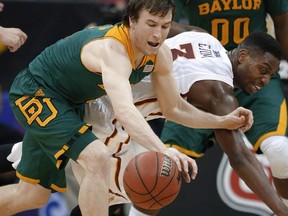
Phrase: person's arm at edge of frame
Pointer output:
(176, 109)
(13, 38)
(220, 100)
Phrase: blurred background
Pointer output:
(217, 191)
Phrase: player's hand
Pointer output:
(13, 38)
(184, 163)
(240, 118)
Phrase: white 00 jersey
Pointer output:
(197, 56)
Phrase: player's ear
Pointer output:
(243, 54)
(132, 21)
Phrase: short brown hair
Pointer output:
(155, 7)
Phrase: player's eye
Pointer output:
(151, 24)
(165, 27)
(264, 71)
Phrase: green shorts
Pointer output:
(55, 132)
(270, 118)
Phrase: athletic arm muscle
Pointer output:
(218, 98)
(173, 106)
(115, 75)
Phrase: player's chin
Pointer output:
(253, 88)
(249, 91)
(151, 52)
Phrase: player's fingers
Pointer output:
(173, 154)
(194, 168)
(11, 48)
(14, 48)
(186, 176)
(177, 161)
(244, 128)
(249, 122)
(185, 167)
(23, 38)
(248, 114)
(189, 166)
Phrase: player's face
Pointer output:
(149, 32)
(255, 71)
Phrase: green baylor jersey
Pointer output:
(47, 98)
(229, 20)
(59, 71)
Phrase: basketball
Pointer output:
(151, 180)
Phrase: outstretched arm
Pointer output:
(100, 56)
(176, 109)
(218, 98)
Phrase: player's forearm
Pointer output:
(250, 171)
(139, 130)
(248, 168)
(190, 116)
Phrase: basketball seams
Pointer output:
(140, 176)
(166, 186)
(154, 195)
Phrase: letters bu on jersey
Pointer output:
(235, 193)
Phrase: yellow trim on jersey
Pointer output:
(281, 128)
(185, 151)
(59, 162)
(27, 179)
(84, 128)
(56, 188)
(58, 154)
(121, 33)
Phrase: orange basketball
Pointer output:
(152, 180)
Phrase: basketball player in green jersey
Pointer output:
(47, 99)
(230, 22)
